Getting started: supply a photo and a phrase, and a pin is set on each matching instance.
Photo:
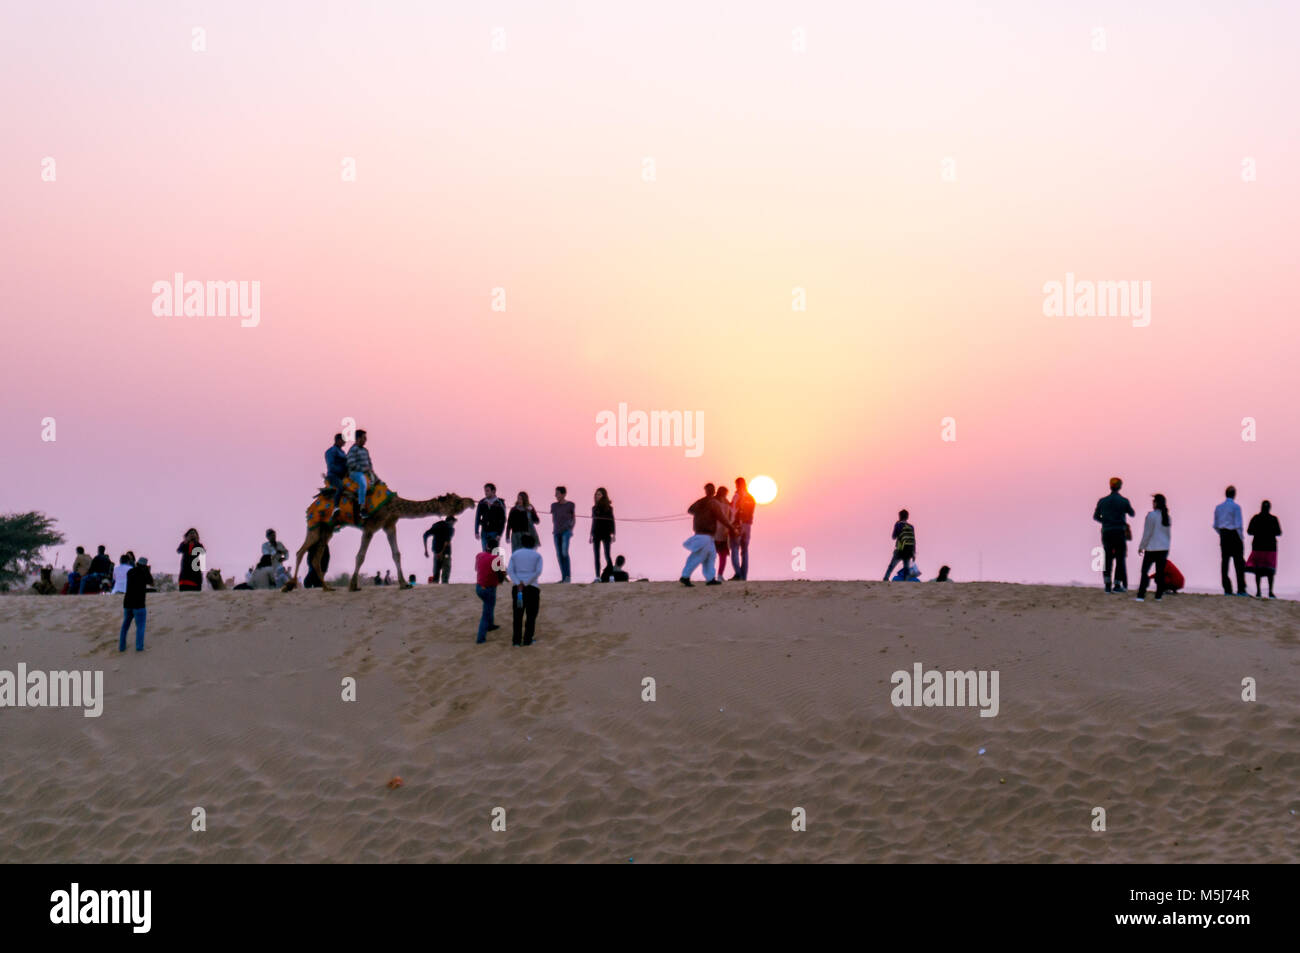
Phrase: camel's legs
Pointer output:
(391, 532)
(312, 536)
(367, 534)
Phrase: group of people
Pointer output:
(493, 522)
(132, 578)
(720, 527)
(1112, 512)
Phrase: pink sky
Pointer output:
(522, 169)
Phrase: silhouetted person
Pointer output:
(1264, 529)
(524, 570)
(904, 537)
(1154, 546)
(1111, 513)
(1232, 541)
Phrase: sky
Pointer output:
(825, 227)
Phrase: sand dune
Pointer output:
(770, 696)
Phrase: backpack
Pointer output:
(744, 504)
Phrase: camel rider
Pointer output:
(336, 467)
(359, 469)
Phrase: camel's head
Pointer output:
(453, 504)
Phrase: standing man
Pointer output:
(1232, 538)
(1110, 513)
(361, 470)
(706, 511)
(138, 578)
(743, 503)
(490, 516)
(336, 467)
(562, 522)
(442, 532)
(524, 570)
(904, 537)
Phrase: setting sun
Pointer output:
(763, 488)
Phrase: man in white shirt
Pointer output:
(1232, 539)
(274, 548)
(524, 570)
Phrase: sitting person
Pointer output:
(615, 573)
(80, 566)
(913, 574)
(101, 572)
(943, 575)
(263, 576)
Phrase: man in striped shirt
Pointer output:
(360, 469)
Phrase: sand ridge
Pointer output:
(769, 696)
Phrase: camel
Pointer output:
(449, 504)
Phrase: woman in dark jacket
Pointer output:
(191, 578)
(523, 517)
(1264, 529)
(602, 528)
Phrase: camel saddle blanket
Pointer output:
(321, 509)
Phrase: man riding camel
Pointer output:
(336, 468)
(360, 469)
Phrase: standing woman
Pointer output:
(602, 528)
(521, 521)
(722, 535)
(1264, 529)
(1154, 546)
(191, 580)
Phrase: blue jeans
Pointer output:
(489, 596)
(337, 484)
(127, 616)
(361, 488)
(562, 552)
(740, 552)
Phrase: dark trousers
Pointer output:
(1155, 558)
(1115, 543)
(442, 568)
(526, 618)
(904, 556)
(595, 548)
(1230, 548)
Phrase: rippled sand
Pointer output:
(770, 696)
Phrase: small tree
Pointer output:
(23, 536)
